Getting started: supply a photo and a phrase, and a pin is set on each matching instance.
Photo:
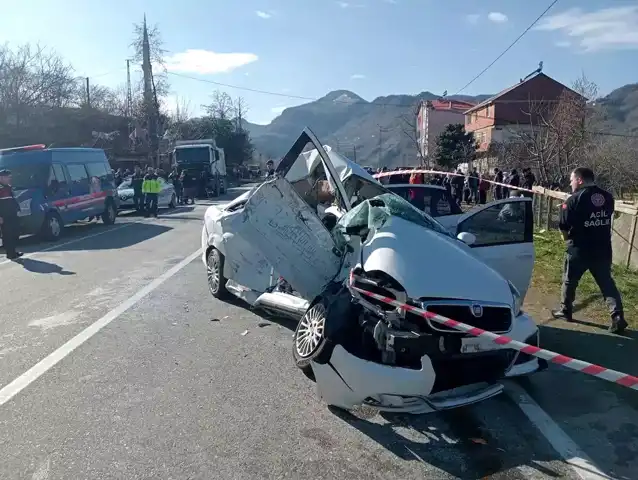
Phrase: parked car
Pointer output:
(434, 200)
(323, 218)
(166, 199)
(58, 186)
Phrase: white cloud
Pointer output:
(207, 62)
(605, 29)
(262, 14)
(393, 2)
(278, 110)
(343, 4)
(563, 44)
(497, 17)
(357, 76)
(473, 18)
(349, 5)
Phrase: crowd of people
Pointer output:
(474, 187)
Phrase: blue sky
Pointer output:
(309, 47)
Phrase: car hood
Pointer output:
(431, 265)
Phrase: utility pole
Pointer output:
(129, 102)
(88, 92)
(380, 142)
(149, 96)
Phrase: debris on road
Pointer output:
(244, 333)
(263, 324)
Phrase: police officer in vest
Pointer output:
(9, 222)
(585, 223)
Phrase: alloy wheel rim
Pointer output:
(213, 273)
(310, 332)
(54, 225)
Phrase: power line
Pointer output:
(509, 47)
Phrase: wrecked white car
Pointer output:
(323, 217)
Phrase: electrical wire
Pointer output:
(511, 45)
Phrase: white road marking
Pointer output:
(573, 455)
(70, 242)
(23, 381)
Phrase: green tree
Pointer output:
(455, 146)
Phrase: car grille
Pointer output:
(497, 319)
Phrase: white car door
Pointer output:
(504, 232)
(285, 230)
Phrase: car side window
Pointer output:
(59, 176)
(501, 224)
(77, 173)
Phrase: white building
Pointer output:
(432, 118)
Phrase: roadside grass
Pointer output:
(547, 279)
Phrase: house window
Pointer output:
(487, 112)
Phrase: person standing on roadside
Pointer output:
(136, 184)
(498, 189)
(528, 181)
(9, 221)
(177, 184)
(270, 169)
(483, 188)
(585, 223)
(458, 181)
(151, 190)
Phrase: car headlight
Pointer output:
(516, 299)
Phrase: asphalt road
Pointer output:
(115, 362)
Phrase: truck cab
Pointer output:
(202, 157)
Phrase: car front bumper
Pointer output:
(347, 381)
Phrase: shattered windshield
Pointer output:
(375, 212)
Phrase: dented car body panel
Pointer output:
(281, 230)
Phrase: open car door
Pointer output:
(504, 232)
(281, 222)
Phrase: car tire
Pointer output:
(309, 341)
(215, 274)
(110, 213)
(173, 202)
(52, 227)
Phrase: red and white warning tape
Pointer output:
(505, 341)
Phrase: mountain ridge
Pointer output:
(353, 125)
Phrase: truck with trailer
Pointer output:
(200, 159)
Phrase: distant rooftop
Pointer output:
(450, 105)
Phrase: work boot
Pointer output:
(15, 256)
(562, 314)
(618, 325)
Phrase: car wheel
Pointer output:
(309, 341)
(52, 227)
(215, 274)
(173, 202)
(110, 213)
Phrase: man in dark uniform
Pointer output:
(585, 223)
(9, 222)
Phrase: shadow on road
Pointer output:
(39, 266)
(133, 234)
(454, 441)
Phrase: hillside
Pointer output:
(347, 122)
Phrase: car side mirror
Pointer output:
(467, 238)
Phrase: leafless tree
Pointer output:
(32, 81)
(182, 111)
(408, 126)
(240, 109)
(221, 106)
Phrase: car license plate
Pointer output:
(475, 346)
